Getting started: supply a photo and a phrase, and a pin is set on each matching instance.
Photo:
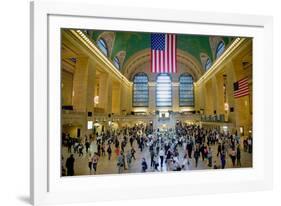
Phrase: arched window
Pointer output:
(186, 95)
(140, 90)
(220, 49)
(103, 47)
(163, 90)
(208, 64)
(116, 62)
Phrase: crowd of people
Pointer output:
(182, 148)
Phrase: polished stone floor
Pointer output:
(106, 166)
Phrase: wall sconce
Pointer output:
(96, 99)
(226, 106)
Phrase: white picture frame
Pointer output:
(47, 18)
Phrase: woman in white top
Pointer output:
(161, 155)
(90, 162)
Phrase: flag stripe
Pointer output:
(161, 60)
(166, 55)
(173, 53)
(241, 95)
(241, 88)
(163, 53)
(152, 62)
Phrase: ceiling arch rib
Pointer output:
(185, 61)
(133, 43)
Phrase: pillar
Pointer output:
(80, 81)
(175, 97)
(152, 97)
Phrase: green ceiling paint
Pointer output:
(133, 42)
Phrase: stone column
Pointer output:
(152, 96)
(220, 94)
(80, 81)
(116, 98)
(109, 95)
(103, 91)
(214, 95)
(175, 97)
(129, 98)
(229, 92)
(91, 87)
(123, 99)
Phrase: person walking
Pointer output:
(144, 165)
(133, 151)
(209, 156)
(103, 149)
(184, 165)
(95, 162)
(69, 144)
(152, 157)
(70, 165)
(129, 159)
(161, 155)
(109, 152)
(90, 162)
(80, 149)
(223, 162)
(203, 151)
(189, 147)
(219, 149)
(233, 156)
(87, 145)
(131, 141)
(238, 155)
(120, 162)
(155, 162)
(196, 156)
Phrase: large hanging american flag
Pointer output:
(241, 88)
(163, 53)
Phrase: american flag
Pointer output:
(241, 88)
(163, 53)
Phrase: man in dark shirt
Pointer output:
(70, 165)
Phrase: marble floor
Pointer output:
(106, 166)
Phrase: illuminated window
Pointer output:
(208, 64)
(103, 47)
(140, 90)
(220, 49)
(116, 63)
(186, 96)
(163, 91)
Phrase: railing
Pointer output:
(194, 117)
(69, 117)
(213, 118)
(102, 117)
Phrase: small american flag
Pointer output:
(163, 53)
(241, 88)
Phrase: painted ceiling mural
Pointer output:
(133, 42)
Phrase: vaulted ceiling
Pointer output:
(132, 42)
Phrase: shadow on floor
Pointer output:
(24, 199)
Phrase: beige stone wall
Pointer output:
(67, 86)
(116, 94)
(210, 93)
(83, 79)
(71, 130)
